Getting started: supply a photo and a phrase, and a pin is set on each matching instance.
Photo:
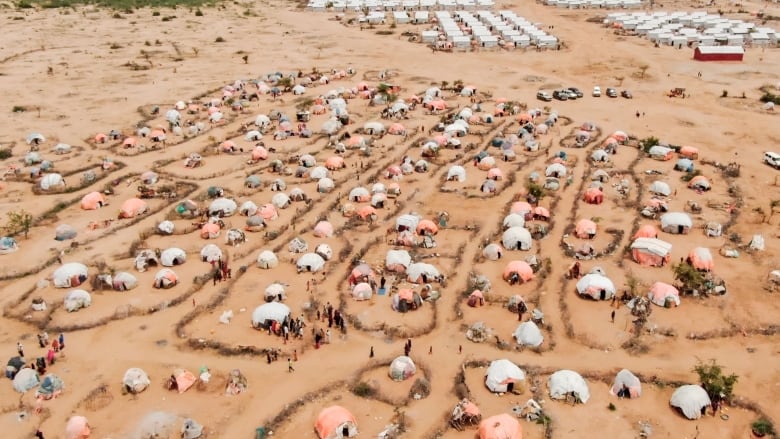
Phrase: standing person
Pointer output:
(290, 367)
(20, 349)
(430, 350)
(409, 343)
(55, 345)
(50, 356)
(295, 355)
(382, 282)
(39, 434)
(613, 316)
(371, 352)
(327, 336)
(268, 356)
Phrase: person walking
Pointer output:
(290, 367)
(20, 349)
(39, 434)
(613, 316)
(371, 352)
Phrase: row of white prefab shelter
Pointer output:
(484, 27)
(697, 28)
(582, 4)
(396, 5)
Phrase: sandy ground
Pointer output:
(73, 70)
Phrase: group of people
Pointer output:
(333, 316)
(221, 271)
(41, 363)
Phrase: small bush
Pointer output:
(18, 109)
(611, 407)
(763, 427)
(198, 13)
(5, 153)
(219, 40)
(24, 4)
(156, 14)
(770, 97)
(118, 16)
(724, 94)
(363, 389)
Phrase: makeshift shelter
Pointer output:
(406, 222)
(275, 292)
(77, 299)
(145, 258)
(26, 379)
(402, 368)
(689, 152)
(325, 185)
(427, 227)
(626, 385)
(210, 253)
(166, 227)
(51, 181)
(516, 238)
(564, 383)
(513, 220)
(502, 376)
(156, 425)
(492, 252)
(585, 229)
(173, 256)
(663, 294)
(521, 208)
(557, 170)
(336, 422)
(122, 281)
(64, 232)
(362, 291)
(593, 195)
(77, 428)
(133, 207)
(252, 182)
(691, 399)
(297, 194)
(264, 315)
(456, 173)
(323, 229)
(71, 274)
(676, 223)
(165, 278)
(222, 207)
(237, 383)
(700, 183)
(659, 152)
(359, 195)
(685, 165)
(646, 231)
(528, 334)
(397, 260)
(8, 245)
(310, 262)
(701, 259)
(191, 429)
(210, 231)
(596, 285)
(324, 250)
(50, 387)
(651, 251)
(406, 299)
(501, 426)
(422, 273)
(93, 200)
(660, 188)
(518, 272)
(135, 380)
(267, 260)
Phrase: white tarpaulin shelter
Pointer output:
(173, 256)
(398, 260)
(516, 238)
(272, 311)
(564, 382)
(267, 259)
(310, 262)
(502, 375)
(77, 299)
(224, 206)
(136, 380)
(528, 334)
(70, 275)
(626, 381)
(690, 399)
(596, 286)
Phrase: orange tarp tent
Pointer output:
(93, 200)
(334, 421)
(500, 427)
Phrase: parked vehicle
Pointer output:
(612, 93)
(597, 92)
(576, 91)
(561, 95)
(772, 159)
(626, 94)
(543, 96)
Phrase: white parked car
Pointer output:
(596, 91)
(772, 159)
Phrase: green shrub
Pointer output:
(5, 153)
(363, 389)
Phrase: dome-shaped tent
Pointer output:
(557, 170)
(516, 271)
(402, 368)
(173, 256)
(133, 207)
(210, 231)
(222, 207)
(646, 231)
(456, 173)
(8, 245)
(336, 422)
(266, 313)
(565, 382)
(310, 262)
(596, 285)
(64, 232)
(359, 195)
(51, 181)
(325, 185)
(165, 278)
(514, 220)
(123, 281)
(324, 250)
(516, 238)
(593, 195)
(701, 259)
(585, 229)
(362, 291)
(398, 260)
(50, 387)
(528, 334)
(267, 259)
(71, 274)
(626, 385)
(690, 399)
(500, 427)
(492, 252)
(93, 200)
(135, 380)
(663, 294)
(166, 227)
(77, 299)
(26, 379)
(275, 291)
(323, 229)
(660, 188)
(421, 273)
(503, 375)
(77, 428)
(210, 253)
(676, 223)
